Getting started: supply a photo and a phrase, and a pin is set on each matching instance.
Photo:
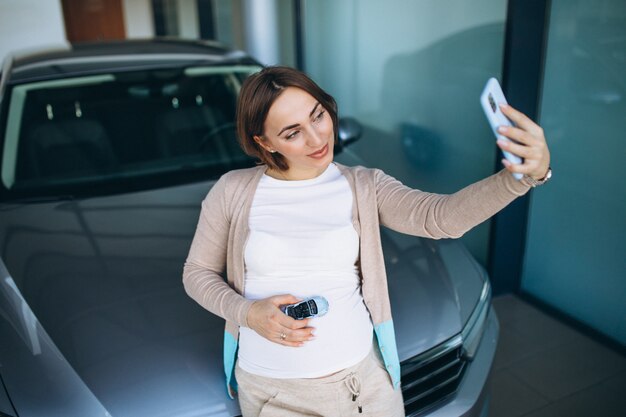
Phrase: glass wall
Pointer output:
(576, 247)
(411, 73)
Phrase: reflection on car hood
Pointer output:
(103, 276)
(433, 287)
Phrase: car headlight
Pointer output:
(475, 326)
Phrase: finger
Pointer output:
(522, 151)
(283, 299)
(517, 134)
(520, 119)
(300, 335)
(536, 150)
(291, 323)
(517, 168)
(292, 338)
(279, 321)
(288, 343)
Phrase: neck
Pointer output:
(295, 175)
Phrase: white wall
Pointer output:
(138, 19)
(26, 24)
(262, 30)
(188, 24)
(30, 24)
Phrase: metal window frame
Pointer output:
(525, 45)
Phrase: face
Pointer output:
(301, 130)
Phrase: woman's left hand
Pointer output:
(531, 144)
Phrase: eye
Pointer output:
(292, 135)
(320, 115)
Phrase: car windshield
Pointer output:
(161, 125)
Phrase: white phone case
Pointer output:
(490, 99)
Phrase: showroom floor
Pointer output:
(544, 368)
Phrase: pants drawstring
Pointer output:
(354, 386)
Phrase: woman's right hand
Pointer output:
(266, 318)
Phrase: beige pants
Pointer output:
(366, 385)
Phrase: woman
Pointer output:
(300, 225)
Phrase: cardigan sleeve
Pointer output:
(206, 263)
(437, 216)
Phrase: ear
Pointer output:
(261, 142)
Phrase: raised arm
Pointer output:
(439, 216)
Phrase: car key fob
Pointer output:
(311, 307)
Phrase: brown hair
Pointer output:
(258, 93)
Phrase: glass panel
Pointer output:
(167, 13)
(412, 73)
(576, 250)
(93, 129)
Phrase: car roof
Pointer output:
(100, 57)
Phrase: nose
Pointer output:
(314, 139)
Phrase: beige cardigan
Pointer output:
(379, 199)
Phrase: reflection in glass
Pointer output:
(575, 248)
(412, 73)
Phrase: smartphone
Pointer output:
(490, 99)
(311, 307)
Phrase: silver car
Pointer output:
(106, 153)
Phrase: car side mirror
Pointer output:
(350, 130)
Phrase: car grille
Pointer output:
(431, 378)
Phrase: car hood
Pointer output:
(103, 278)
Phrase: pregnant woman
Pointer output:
(300, 225)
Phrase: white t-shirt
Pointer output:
(302, 242)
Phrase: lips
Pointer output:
(321, 153)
